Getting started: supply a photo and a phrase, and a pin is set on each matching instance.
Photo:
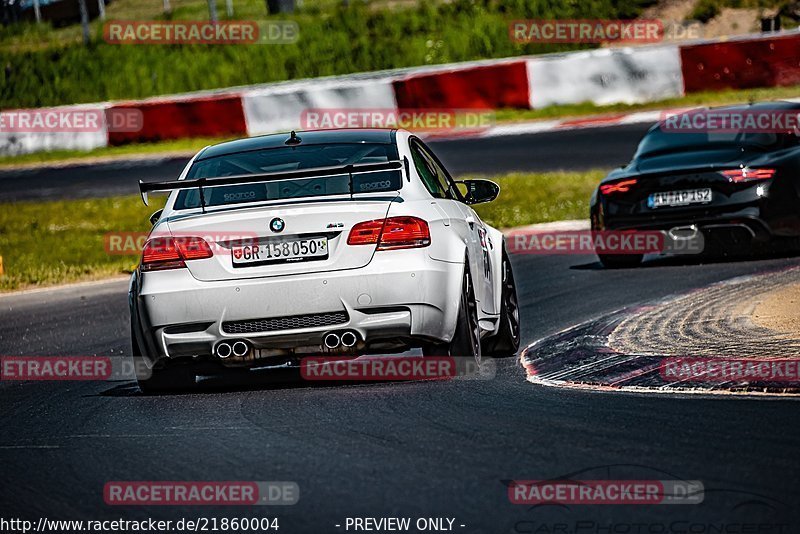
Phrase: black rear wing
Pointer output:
(319, 172)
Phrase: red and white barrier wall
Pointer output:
(606, 76)
(210, 116)
(493, 86)
(14, 141)
(276, 109)
(742, 64)
(602, 76)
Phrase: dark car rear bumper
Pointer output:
(744, 222)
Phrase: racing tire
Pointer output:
(614, 261)
(466, 339)
(506, 342)
(620, 261)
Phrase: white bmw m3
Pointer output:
(337, 242)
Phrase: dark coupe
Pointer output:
(732, 185)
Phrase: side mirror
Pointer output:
(155, 217)
(479, 191)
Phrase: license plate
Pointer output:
(281, 251)
(679, 198)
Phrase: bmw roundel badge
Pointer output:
(277, 225)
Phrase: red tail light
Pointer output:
(747, 175)
(193, 248)
(622, 186)
(404, 232)
(365, 233)
(391, 233)
(163, 253)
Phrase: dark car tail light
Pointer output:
(391, 233)
(748, 175)
(162, 253)
(623, 186)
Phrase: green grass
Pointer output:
(43, 66)
(48, 243)
(527, 198)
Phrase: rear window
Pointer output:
(284, 159)
(660, 141)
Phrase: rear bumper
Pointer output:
(402, 295)
(747, 220)
(760, 211)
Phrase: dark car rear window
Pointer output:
(286, 159)
(659, 141)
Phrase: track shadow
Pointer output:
(242, 380)
(236, 381)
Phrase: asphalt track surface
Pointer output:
(595, 148)
(425, 449)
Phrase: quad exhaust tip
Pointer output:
(225, 350)
(349, 339)
(332, 340)
(240, 348)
